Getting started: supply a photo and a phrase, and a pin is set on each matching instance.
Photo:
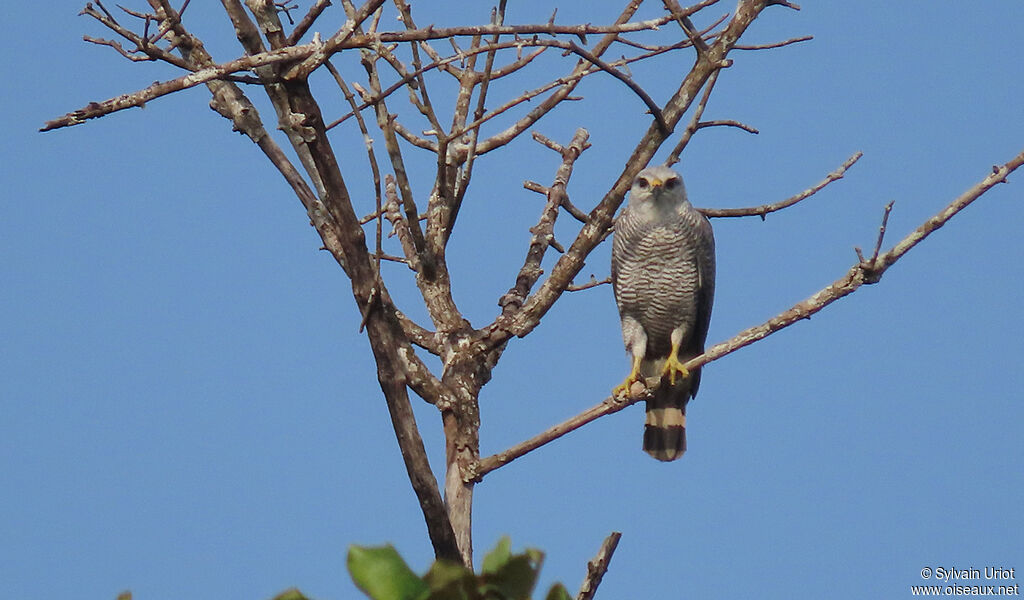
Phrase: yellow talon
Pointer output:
(634, 375)
(673, 366)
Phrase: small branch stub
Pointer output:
(597, 567)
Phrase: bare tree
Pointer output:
(469, 59)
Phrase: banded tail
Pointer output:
(665, 427)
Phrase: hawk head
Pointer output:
(658, 187)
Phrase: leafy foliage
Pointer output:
(290, 594)
(382, 574)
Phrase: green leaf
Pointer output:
(382, 574)
(290, 594)
(450, 581)
(558, 592)
(497, 557)
(516, 578)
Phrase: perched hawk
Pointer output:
(663, 273)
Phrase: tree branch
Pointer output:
(878, 242)
(572, 80)
(590, 284)
(728, 123)
(543, 231)
(764, 209)
(141, 97)
(315, 53)
(307, 21)
(374, 167)
(424, 262)
(383, 330)
(789, 42)
(597, 567)
(465, 173)
(694, 125)
(608, 406)
(321, 52)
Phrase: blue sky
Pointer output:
(188, 409)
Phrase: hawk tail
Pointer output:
(665, 427)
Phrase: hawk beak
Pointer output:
(655, 183)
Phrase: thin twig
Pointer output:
(704, 35)
(400, 226)
(728, 123)
(117, 46)
(465, 174)
(764, 209)
(392, 258)
(314, 54)
(694, 125)
(104, 9)
(134, 13)
(422, 103)
(322, 52)
(686, 25)
(870, 264)
(881, 231)
(543, 231)
(564, 89)
(573, 211)
(586, 286)
(441, 33)
(533, 186)
(377, 213)
(796, 40)
(588, 56)
(525, 97)
(199, 77)
(374, 168)
(386, 123)
(608, 406)
(345, 38)
(307, 21)
(626, 79)
(141, 44)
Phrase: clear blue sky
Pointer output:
(187, 409)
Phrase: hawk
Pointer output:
(663, 274)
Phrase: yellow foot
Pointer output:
(672, 367)
(623, 388)
(634, 375)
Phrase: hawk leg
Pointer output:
(634, 375)
(673, 365)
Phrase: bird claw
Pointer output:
(633, 377)
(623, 388)
(672, 367)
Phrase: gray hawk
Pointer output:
(663, 274)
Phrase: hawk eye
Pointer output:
(672, 183)
(642, 183)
